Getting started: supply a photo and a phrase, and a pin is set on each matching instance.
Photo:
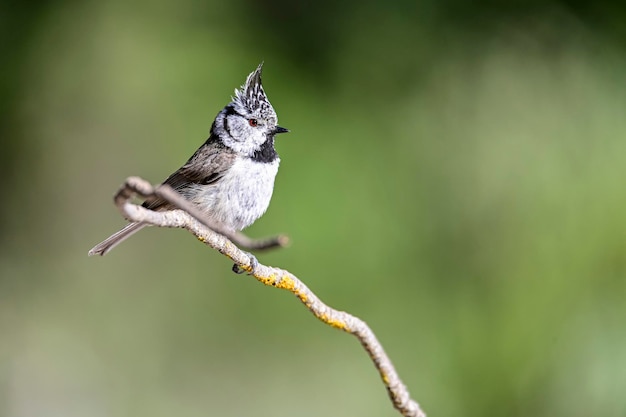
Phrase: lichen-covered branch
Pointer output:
(188, 217)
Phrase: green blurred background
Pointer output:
(454, 176)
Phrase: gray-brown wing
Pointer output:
(207, 166)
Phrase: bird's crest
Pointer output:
(251, 98)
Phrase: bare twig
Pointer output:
(191, 219)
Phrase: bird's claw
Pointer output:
(253, 265)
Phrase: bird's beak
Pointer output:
(279, 129)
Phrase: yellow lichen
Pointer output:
(268, 280)
(286, 283)
(302, 296)
(338, 324)
(385, 377)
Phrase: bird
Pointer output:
(230, 178)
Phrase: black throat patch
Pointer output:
(267, 153)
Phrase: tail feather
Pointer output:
(115, 239)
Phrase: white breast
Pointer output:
(240, 197)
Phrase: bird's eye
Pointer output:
(253, 122)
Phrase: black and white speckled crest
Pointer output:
(251, 98)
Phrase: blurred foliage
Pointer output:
(455, 177)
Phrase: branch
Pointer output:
(188, 217)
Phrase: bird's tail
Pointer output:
(115, 239)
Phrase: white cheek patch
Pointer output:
(240, 136)
(236, 128)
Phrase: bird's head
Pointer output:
(248, 123)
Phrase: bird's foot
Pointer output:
(253, 265)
